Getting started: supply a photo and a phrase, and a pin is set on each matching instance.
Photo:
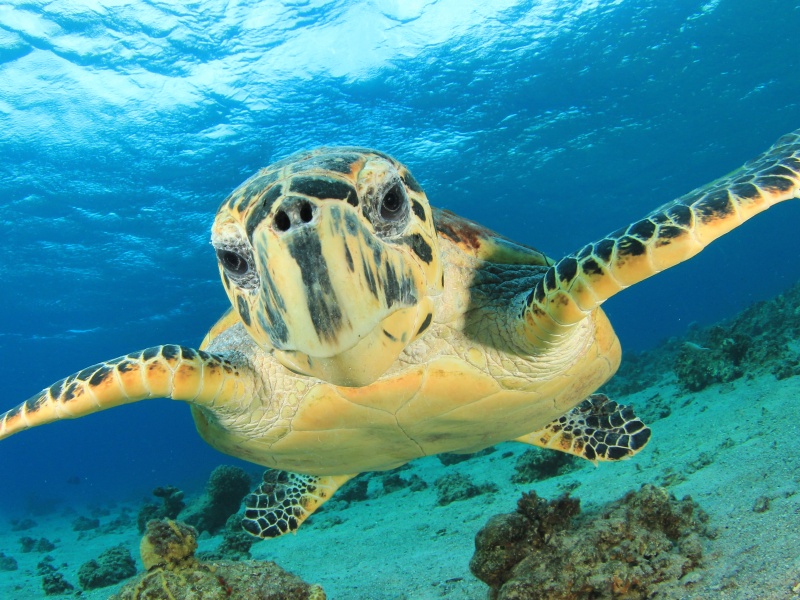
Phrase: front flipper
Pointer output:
(159, 372)
(597, 429)
(284, 500)
(582, 281)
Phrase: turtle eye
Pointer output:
(392, 204)
(233, 262)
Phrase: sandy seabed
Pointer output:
(732, 447)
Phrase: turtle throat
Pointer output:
(370, 356)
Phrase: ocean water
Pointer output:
(123, 125)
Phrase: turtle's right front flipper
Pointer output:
(579, 283)
(159, 372)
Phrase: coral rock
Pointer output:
(168, 544)
(632, 549)
(112, 566)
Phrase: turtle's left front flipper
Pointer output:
(166, 371)
(577, 284)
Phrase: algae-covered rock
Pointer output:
(226, 488)
(631, 549)
(112, 566)
(221, 580)
(53, 582)
(168, 544)
(173, 572)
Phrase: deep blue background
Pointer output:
(122, 129)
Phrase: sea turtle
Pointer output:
(368, 329)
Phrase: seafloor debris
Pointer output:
(173, 573)
(630, 549)
(226, 488)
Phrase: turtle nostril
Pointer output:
(306, 212)
(282, 222)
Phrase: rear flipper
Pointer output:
(284, 500)
(597, 429)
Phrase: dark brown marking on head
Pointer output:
(397, 289)
(339, 163)
(323, 188)
(410, 182)
(389, 335)
(348, 258)
(425, 324)
(243, 310)
(420, 247)
(273, 323)
(151, 353)
(261, 210)
(323, 305)
(418, 210)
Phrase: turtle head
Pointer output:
(331, 259)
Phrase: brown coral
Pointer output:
(633, 547)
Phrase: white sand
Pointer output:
(725, 446)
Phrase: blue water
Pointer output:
(123, 126)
